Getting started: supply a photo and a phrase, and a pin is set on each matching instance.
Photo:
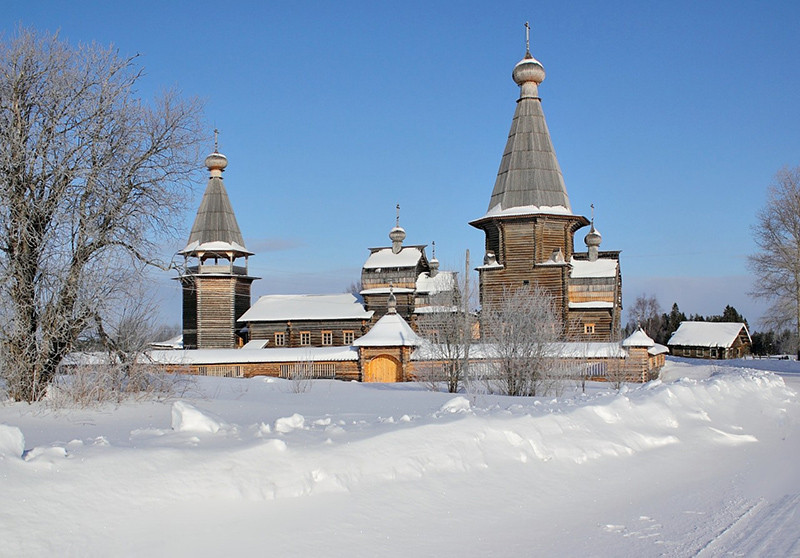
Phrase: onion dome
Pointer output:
(397, 234)
(593, 238)
(216, 162)
(528, 70)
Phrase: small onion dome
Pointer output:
(528, 69)
(593, 237)
(397, 234)
(216, 161)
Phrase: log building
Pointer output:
(530, 228)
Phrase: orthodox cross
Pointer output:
(433, 249)
(527, 37)
(397, 220)
(216, 140)
(592, 206)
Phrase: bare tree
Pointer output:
(522, 332)
(645, 312)
(448, 329)
(91, 177)
(777, 262)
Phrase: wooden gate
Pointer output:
(382, 368)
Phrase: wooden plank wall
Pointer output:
(292, 329)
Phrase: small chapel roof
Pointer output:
(215, 228)
(638, 339)
(390, 331)
(343, 306)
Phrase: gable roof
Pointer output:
(390, 331)
(272, 308)
(707, 334)
(408, 256)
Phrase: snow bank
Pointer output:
(344, 441)
(12, 442)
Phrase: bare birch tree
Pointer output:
(522, 331)
(645, 312)
(776, 265)
(91, 177)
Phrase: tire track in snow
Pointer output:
(762, 530)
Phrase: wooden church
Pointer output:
(530, 227)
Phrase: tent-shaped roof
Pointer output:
(215, 228)
(390, 331)
(638, 339)
(342, 306)
(707, 334)
(529, 176)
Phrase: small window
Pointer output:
(280, 339)
(305, 338)
(327, 338)
(588, 329)
(525, 283)
(348, 337)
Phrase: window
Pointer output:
(305, 338)
(327, 338)
(349, 337)
(588, 329)
(280, 339)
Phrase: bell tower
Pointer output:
(216, 287)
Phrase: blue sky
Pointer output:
(671, 118)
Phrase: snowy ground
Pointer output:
(704, 463)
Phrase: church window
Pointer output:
(588, 329)
(327, 338)
(348, 337)
(305, 338)
(280, 339)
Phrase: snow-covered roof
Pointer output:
(591, 304)
(638, 339)
(441, 282)
(657, 349)
(707, 334)
(241, 356)
(519, 211)
(256, 344)
(435, 309)
(486, 351)
(341, 306)
(384, 257)
(171, 343)
(387, 290)
(603, 267)
(216, 246)
(390, 331)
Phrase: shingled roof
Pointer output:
(215, 228)
(529, 175)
